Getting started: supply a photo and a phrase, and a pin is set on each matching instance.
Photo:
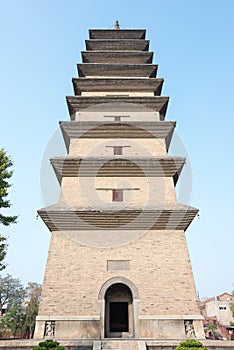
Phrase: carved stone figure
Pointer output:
(189, 329)
(49, 328)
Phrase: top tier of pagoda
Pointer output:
(117, 61)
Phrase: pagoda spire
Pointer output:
(117, 25)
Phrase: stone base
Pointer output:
(171, 328)
(90, 345)
(145, 328)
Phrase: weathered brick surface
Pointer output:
(102, 147)
(160, 269)
(106, 113)
(97, 192)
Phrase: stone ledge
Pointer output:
(126, 85)
(117, 70)
(175, 217)
(117, 45)
(120, 167)
(123, 57)
(81, 344)
(172, 317)
(105, 103)
(117, 34)
(67, 318)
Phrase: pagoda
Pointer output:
(118, 264)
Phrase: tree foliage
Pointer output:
(6, 220)
(33, 291)
(13, 322)
(48, 344)
(190, 344)
(22, 307)
(11, 292)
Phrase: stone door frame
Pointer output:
(135, 300)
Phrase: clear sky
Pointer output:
(40, 43)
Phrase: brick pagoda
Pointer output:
(118, 264)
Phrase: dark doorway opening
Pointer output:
(119, 317)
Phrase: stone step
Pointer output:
(119, 345)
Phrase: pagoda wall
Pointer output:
(115, 93)
(96, 113)
(169, 293)
(104, 147)
(97, 192)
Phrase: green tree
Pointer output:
(13, 322)
(33, 294)
(6, 220)
(212, 327)
(48, 344)
(190, 344)
(12, 292)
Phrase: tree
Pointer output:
(212, 327)
(21, 306)
(11, 292)
(33, 294)
(13, 322)
(6, 220)
(190, 344)
(48, 344)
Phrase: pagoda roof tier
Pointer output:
(167, 217)
(117, 85)
(134, 57)
(117, 130)
(117, 34)
(118, 167)
(117, 45)
(155, 103)
(117, 70)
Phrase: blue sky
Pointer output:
(40, 45)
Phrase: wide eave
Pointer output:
(117, 167)
(117, 70)
(152, 85)
(166, 217)
(117, 45)
(117, 34)
(120, 57)
(113, 130)
(154, 103)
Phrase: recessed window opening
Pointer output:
(117, 195)
(118, 95)
(117, 118)
(118, 150)
(122, 189)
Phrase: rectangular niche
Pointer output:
(118, 265)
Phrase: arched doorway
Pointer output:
(119, 311)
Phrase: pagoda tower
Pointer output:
(118, 264)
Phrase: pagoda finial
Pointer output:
(117, 25)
